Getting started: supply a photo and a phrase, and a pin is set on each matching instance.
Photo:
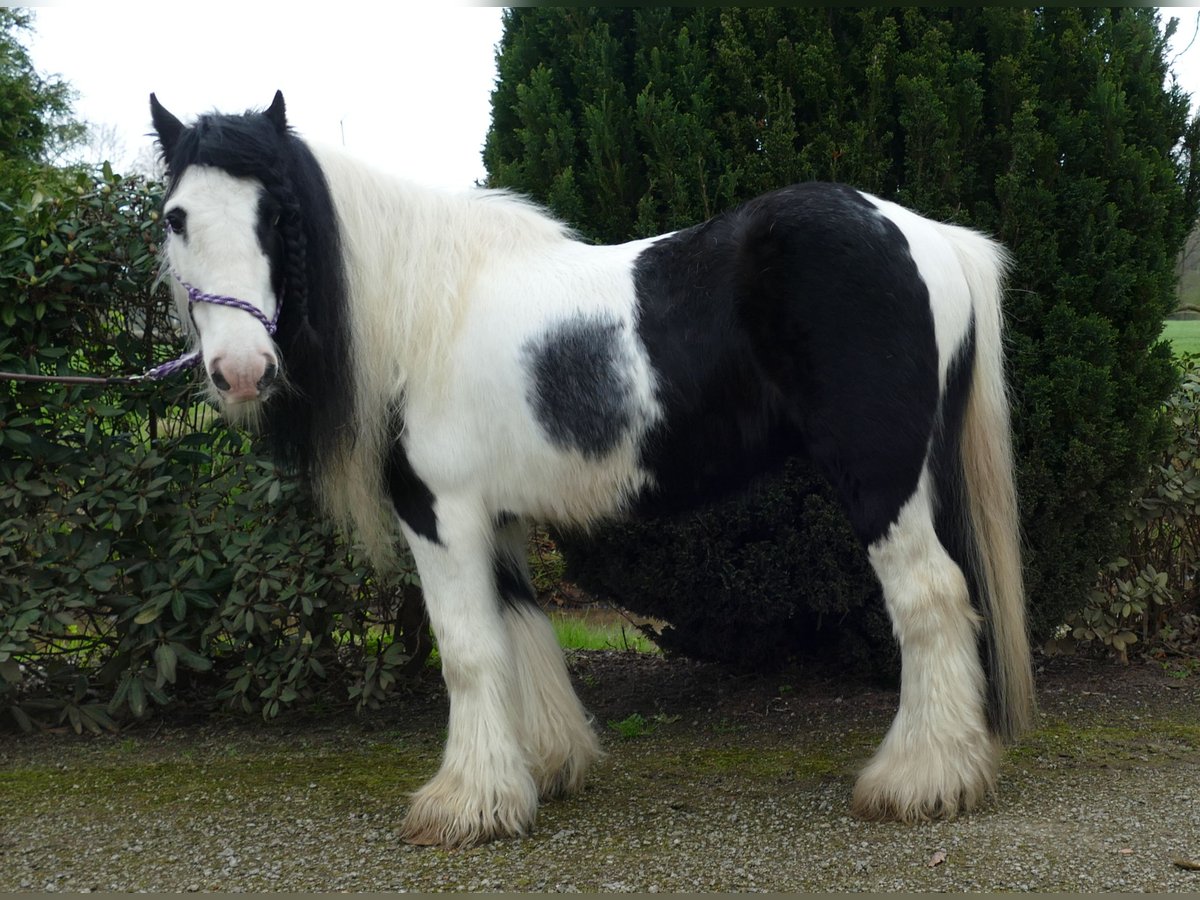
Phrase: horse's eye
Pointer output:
(177, 221)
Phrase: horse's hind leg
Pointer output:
(939, 757)
(484, 788)
(554, 728)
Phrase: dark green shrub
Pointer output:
(147, 554)
(1150, 590)
(749, 581)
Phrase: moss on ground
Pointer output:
(1106, 745)
(214, 777)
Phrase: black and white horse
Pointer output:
(461, 365)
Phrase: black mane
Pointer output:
(309, 416)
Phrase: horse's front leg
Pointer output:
(555, 730)
(484, 788)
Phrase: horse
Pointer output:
(449, 367)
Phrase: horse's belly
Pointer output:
(570, 490)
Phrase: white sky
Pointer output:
(406, 85)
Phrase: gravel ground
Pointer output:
(736, 783)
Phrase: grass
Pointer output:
(585, 631)
(636, 725)
(1184, 335)
(602, 630)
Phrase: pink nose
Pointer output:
(243, 382)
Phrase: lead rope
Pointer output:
(165, 370)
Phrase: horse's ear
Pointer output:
(277, 114)
(167, 127)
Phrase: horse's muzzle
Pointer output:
(240, 383)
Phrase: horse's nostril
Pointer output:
(218, 379)
(268, 376)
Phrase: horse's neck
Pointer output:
(412, 255)
(389, 220)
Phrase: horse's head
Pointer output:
(226, 247)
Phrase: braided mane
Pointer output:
(309, 420)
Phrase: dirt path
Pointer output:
(727, 783)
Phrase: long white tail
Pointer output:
(991, 496)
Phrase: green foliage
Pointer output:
(35, 112)
(1050, 128)
(546, 564)
(1151, 588)
(147, 554)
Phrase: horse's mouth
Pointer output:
(243, 412)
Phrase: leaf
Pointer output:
(192, 659)
(23, 721)
(96, 718)
(100, 580)
(165, 659)
(16, 436)
(148, 615)
(394, 655)
(10, 671)
(137, 697)
(122, 690)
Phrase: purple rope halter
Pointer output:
(188, 360)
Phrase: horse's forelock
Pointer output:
(245, 146)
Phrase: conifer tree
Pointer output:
(35, 111)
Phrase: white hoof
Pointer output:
(923, 779)
(560, 771)
(447, 813)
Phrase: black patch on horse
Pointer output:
(581, 386)
(410, 496)
(796, 324)
(513, 586)
(510, 570)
